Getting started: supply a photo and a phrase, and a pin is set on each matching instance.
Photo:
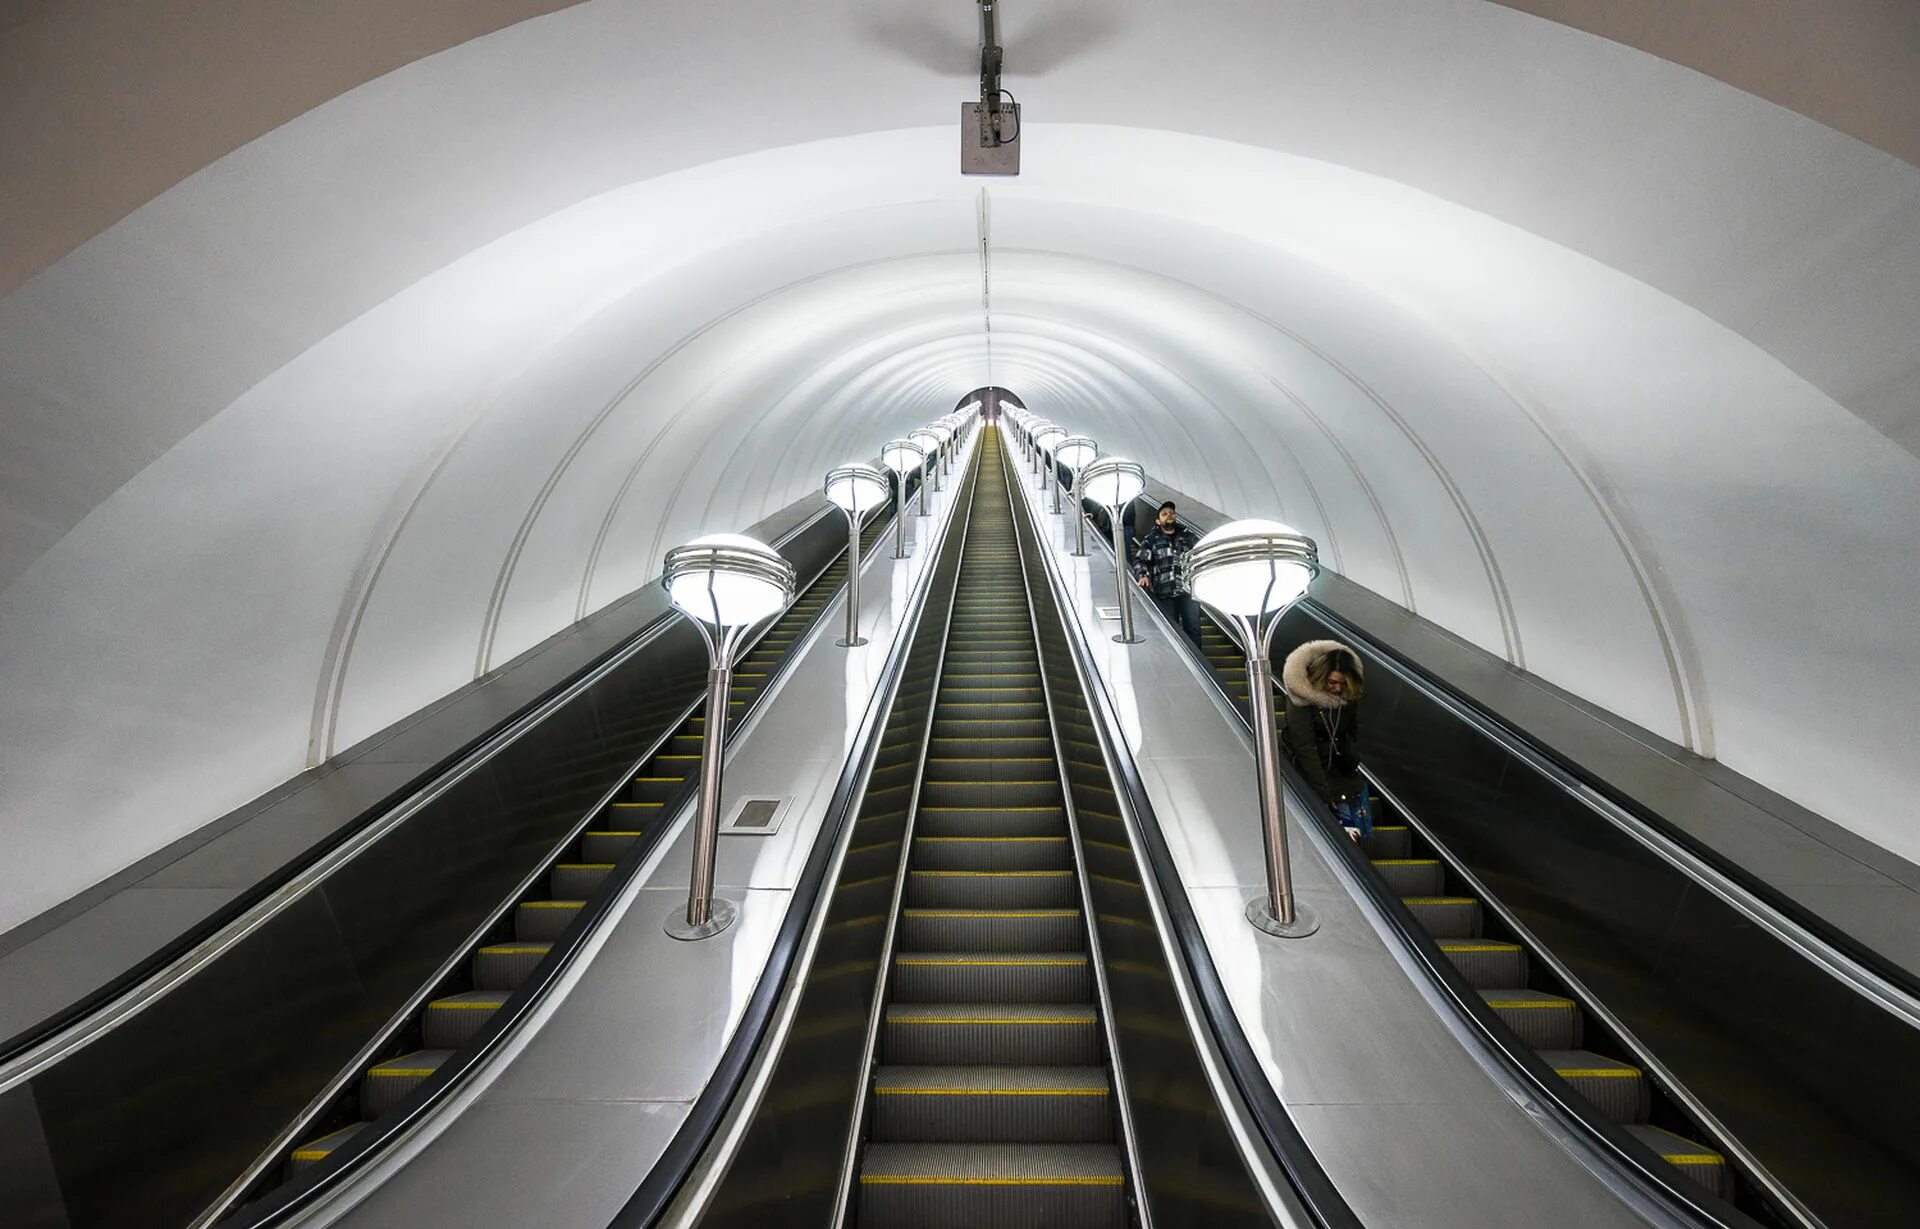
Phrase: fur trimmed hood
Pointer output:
(1293, 675)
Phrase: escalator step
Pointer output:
(1059, 1105)
(1388, 841)
(990, 930)
(1034, 747)
(386, 1083)
(991, 1186)
(576, 880)
(990, 853)
(992, 977)
(503, 966)
(986, 727)
(543, 921)
(450, 1022)
(311, 1153)
(991, 1033)
(998, 768)
(1446, 917)
(655, 787)
(1618, 1090)
(992, 793)
(984, 821)
(1411, 876)
(1486, 964)
(1696, 1161)
(1544, 1021)
(601, 845)
(990, 889)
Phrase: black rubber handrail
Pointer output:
(278, 1205)
(669, 1173)
(1289, 1148)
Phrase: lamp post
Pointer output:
(948, 431)
(1113, 483)
(1249, 573)
(1044, 440)
(1075, 452)
(901, 456)
(1033, 444)
(725, 583)
(929, 440)
(855, 488)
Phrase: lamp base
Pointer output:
(1129, 639)
(1260, 913)
(851, 644)
(719, 918)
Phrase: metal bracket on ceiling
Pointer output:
(990, 128)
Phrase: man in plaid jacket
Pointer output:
(1156, 565)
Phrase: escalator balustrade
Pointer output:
(497, 969)
(992, 1101)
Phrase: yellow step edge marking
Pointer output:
(614, 832)
(1530, 1003)
(552, 904)
(312, 1154)
(931, 1180)
(583, 866)
(1449, 946)
(991, 912)
(989, 838)
(517, 950)
(462, 1006)
(991, 964)
(994, 1020)
(989, 1092)
(1406, 861)
(992, 808)
(1437, 900)
(994, 874)
(618, 805)
(1693, 1158)
(396, 1071)
(1597, 1073)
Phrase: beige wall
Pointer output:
(105, 104)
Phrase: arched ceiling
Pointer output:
(1595, 361)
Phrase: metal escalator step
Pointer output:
(990, 889)
(1388, 841)
(543, 921)
(503, 966)
(990, 1033)
(311, 1153)
(1446, 917)
(998, 768)
(990, 853)
(990, 930)
(986, 710)
(653, 786)
(1487, 964)
(1033, 747)
(1544, 1021)
(991, 821)
(955, 1104)
(992, 1186)
(1029, 793)
(1618, 1090)
(992, 977)
(387, 1082)
(603, 845)
(987, 727)
(576, 880)
(1696, 1161)
(1411, 876)
(450, 1022)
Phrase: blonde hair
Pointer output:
(1344, 660)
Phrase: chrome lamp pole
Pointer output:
(725, 584)
(1074, 452)
(929, 441)
(855, 488)
(1113, 483)
(1044, 440)
(1249, 573)
(902, 457)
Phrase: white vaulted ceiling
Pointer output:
(1599, 363)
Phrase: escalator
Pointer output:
(992, 1097)
(543, 916)
(1508, 978)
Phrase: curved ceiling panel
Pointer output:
(293, 462)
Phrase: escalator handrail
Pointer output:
(1607, 1143)
(279, 1205)
(656, 1192)
(74, 1026)
(1316, 1191)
